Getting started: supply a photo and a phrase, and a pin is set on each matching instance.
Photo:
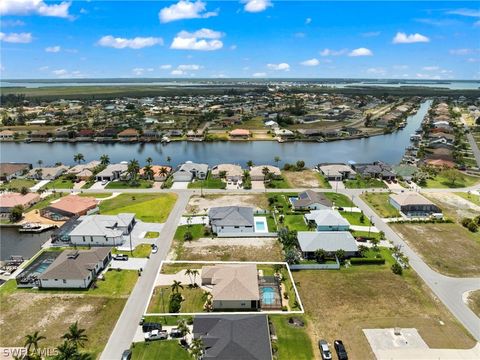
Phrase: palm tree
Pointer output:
(276, 159)
(149, 160)
(66, 351)
(169, 159)
(104, 159)
(78, 158)
(33, 340)
(132, 169)
(76, 336)
(197, 348)
(183, 327)
(265, 172)
(176, 286)
(163, 172)
(148, 172)
(40, 162)
(188, 272)
(195, 273)
(249, 163)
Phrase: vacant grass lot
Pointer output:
(380, 204)
(18, 184)
(354, 218)
(339, 304)
(364, 184)
(233, 253)
(52, 312)
(193, 302)
(165, 350)
(60, 183)
(141, 184)
(293, 342)
(147, 207)
(474, 302)
(448, 248)
(280, 183)
(442, 182)
(305, 179)
(470, 197)
(340, 200)
(208, 183)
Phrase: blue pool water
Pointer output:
(259, 225)
(268, 295)
(42, 267)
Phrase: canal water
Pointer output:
(24, 244)
(388, 148)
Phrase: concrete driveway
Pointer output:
(98, 186)
(180, 185)
(258, 185)
(131, 264)
(39, 185)
(138, 233)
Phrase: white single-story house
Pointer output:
(75, 269)
(231, 219)
(232, 172)
(336, 172)
(311, 200)
(112, 172)
(189, 171)
(329, 241)
(327, 220)
(103, 230)
(256, 172)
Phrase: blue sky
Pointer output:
(247, 38)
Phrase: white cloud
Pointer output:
(360, 52)
(135, 43)
(189, 67)
(43, 68)
(53, 49)
(259, 74)
(308, 21)
(330, 52)
(430, 68)
(65, 74)
(2, 68)
(465, 12)
(300, 35)
(60, 72)
(166, 67)
(403, 38)
(37, 7)
(202, 40)
(141, 71)
(185, 9)
(177, 72)
(461, 51)
(255, 6)
(310, 62)
(376, 71)
(279, 67)
(19, 38)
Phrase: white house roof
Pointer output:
(329, 241)
(327, 217)
(103, 225)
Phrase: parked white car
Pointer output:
(156, 335)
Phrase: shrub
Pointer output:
(472, 226)
(188, 236)
(397, 269)
(367, 261)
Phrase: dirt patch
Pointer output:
(201, 205)
(254, 242)
(302, 179)
(454, 206)
(269, 252)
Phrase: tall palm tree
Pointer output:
(276, 159)
(163, 171)
(40, 162)
(78, 158)
(132, 169)
(148, 172)
(188, 272)
(265, 172)
(104, 159)
(149, 160)
(169, 159)
(195, 273)
(197, 348)
(33, 340)
(76, 336)
(66, 351)
(249, 163)
(176, 286)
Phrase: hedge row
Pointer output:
(366, 261)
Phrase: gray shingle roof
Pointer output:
(310, 197)
(231, 216)
(234, 337)
(329, 241)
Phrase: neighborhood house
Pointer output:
(189, 171)
(69, 206)
(231, 220)
(413, 204)
(311, 200)
(9, 200)
(327, 220)
(329, 241)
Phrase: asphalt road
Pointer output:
(124, 331)
(474, 147)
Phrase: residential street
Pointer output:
(475, 149)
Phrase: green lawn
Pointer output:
(140, 251)
(196, 230)
(46, 201)
(379, 202)
(151, 235)
(323, 182)
(147, 207)
(281, 201)
(141, 184)
(280, 183)
(293, 342)
(208, 183)
(116, 284)
(470, 197)
(339, 199)
(60, 183)
(95, 195)
(165, 350)
(442, 182)
(18, 184)
(192, 303)
(365, 234)
(364, 184)
(295, 222)
(354, 218)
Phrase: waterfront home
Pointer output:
(160, 172)
(103, 230)
(310, 132)
(47, 173)
(75, 269)
(189, 171)
(233, 337)
(240, 134)
(150, 135)
(9, 200)
(329, 241)
(112, 172)
(441, 142)
(413, 204)
(231, 220)
(81, 167)
(256, 172)
(40, 135)
(233, 173)
(283, 133)
(195, 135)
(128, 135)
(311, 200)
(327, 220)
(68, 207)
(440, 163)
(85, 134)
(336, 172)
(377, 169)
(8, 171)
(7, 135)
(175, 133)
(234, 286)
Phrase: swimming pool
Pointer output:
(260, 224)
(268, 295)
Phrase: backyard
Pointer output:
(209, 183)
(147, 207)
(153, 350)
(193, 300)
(339, 304)
(448, 248)
(293, 342)
(379, 202)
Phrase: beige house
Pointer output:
(234, 287)
(256, 172)
(232, 172)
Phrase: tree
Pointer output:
(149, 160)
(169, 159)
(300, 165)
(197, 348)
(187, 236)
(104, 159)
(265, 172)
(183, 327)
(163, 171)
(249, 163)
(453, 176)
(32, 341)
(24, 190)
(176, 286)
(375, 241)
(362, 217)
(40, 162)
(276, 159)
(195, 273)
(132, 169)
(78, 158)
(76, 336)
(381, 235)
(148, 172)
(397, 269)
(16, 214)
(340, 254)
(66, 351)
(291, 256)
(320, 255)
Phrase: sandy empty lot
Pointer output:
(203, 242)
(454, 206)
(302, 179)
(201, 205)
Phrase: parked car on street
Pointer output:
(340, 350)
(324, 350)
(127, 355)
(120, 257)
(154, 249)
(149, 326)
(156, 335)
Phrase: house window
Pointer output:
(237, 227)
(64, 281)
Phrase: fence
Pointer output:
(335, 266)
(247, 235)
